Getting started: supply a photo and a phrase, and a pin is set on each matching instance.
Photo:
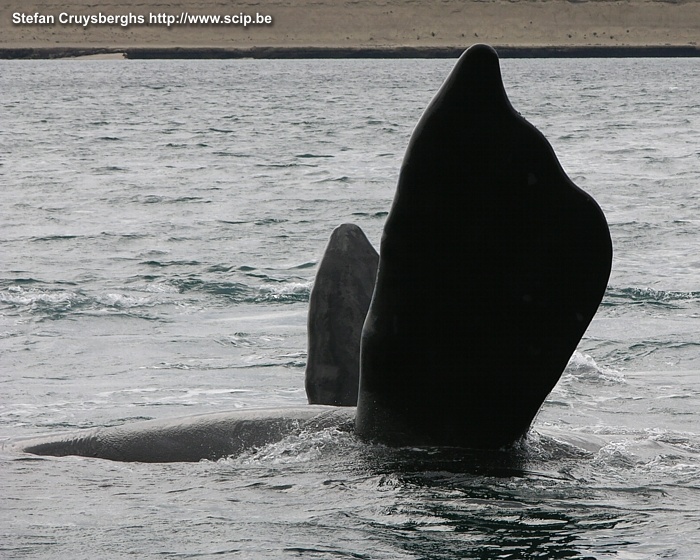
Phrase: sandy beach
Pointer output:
(348, 24)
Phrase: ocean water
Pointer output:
(160, 228)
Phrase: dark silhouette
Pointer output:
(492, 265)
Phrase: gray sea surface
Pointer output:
(160, 228)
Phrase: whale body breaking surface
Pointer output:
(482, 195)
(192, 438)
(483, 199)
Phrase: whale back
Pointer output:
(209, 436)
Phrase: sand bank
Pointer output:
(359, 24)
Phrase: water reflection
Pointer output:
(451, 503)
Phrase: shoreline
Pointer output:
(296, 52)
(349, 28)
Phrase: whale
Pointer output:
(338, 306)
(210, 436)
(491, 266)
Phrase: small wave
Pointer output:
(55, 304)
(290, 364)
(232, 290)
(646, 296)
(124, 235)
(20, 281)
(583, 367)
(54, 238)
(341, 179)
(654, 454)
(159, 199)
(268, 221)
(121, 301)
(152, 284)
(539, 447)
(308, 156)
(220, 268)
(309, 264)
(162, 264)
(238, 292)
(263, 276)
(285, 293)
(126, 420)
(634, 458)
(147, 199)
(233, 222)
(372, 215)
(109, 169)
(279, 165)
(233, 154)
(188, 199)
(39, 300)
(301, 447)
